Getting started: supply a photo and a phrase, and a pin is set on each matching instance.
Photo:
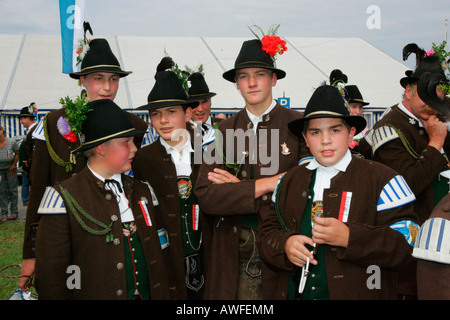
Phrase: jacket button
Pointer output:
(116, 241)
(114, 217)
(234, 229)
(119, 293)
(108, 196)
(120, 266)
(264, 197)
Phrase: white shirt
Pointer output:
(182, 158)
(325, 174)
(256, 119)
(126, 214)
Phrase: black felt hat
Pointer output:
(99, 58)
(253, 56)
(105, 121)
(27, 111)
(426, 88)
(167, 91)
(430, 63)
(352, 94)
(199, 89)
(327, 102)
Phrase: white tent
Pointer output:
(31, 68)
(32, 71)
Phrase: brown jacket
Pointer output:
(45, 172)
(226, 204)
(62, 242)
(152, 164)
(372, 241)
(419, 170)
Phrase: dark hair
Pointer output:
(305, 127)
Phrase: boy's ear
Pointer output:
(83, 81)
(100, 149)
(188, 114)
(306, 140)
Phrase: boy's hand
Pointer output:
(330, 231)
(219, 176)
(296, 251)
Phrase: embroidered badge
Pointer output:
(285, 151)
(316, 210)
(184, 187)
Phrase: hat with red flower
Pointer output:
(259, 53)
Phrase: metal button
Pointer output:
(108, 196)
(120, 266)
(119, 292)
(116, 241)
(114, 217)
(264, 197)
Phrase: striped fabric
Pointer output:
(52, 203)
(395, 193)
(408, 229)
(377, 137)
(433, 242)
(38, 133)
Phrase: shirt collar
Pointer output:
(208, 122)
(409, 114)
(255, 119)
(186, 147)
(117, 176)
(340, 166)
(30, 127)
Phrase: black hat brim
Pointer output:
(405, 81)
(90, 145)
(359, 101)
(296, 126)
(230, 74)
(204, 96)
(109, 69)
(169, 103)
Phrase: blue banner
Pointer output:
(71, 13)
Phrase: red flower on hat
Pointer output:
(273, 45)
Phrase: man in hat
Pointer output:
(326, 231)
(168, 165)
(102, 222)
(356, 104)
(235, 192)
(201, 115)
(412, 140)
(100, 73)
(27, 118)
(355, 100)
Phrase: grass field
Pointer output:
(11, 241)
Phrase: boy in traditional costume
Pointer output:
(337, 219)
(168, 165)
(234, 192)
(55, 141)
(98, 232)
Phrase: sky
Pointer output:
(386, 24)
